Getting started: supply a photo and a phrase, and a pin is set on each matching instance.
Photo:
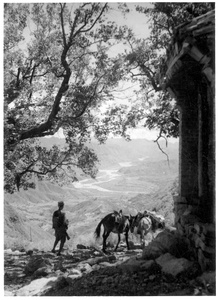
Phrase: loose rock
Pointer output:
(172, 265)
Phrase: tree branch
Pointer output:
(62, 24)
(150, 77)
(157, 141)
(93, 24)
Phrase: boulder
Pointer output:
(97, 260)
(8, 251)
(34, 264)
(75, 272)
(207, 279)
(148, 265)
(41, 272)
(131, 265)
(80, 246)
(131, 245)
(70, 278)
(107, 264)
(167, 242)
(8, 293)
(172, 265)
(37, 287)
(112, 258)
(84, 267)
(58, 266)
(96, 267)
(60, 283)
(18, 253)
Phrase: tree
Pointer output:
(57, 73)
(155, 108)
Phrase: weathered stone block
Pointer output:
(200, 228)
(180, 208)
(192, 209)
(211, 242)
(202, 260)
(172, 265)
(189, 219)
(207, 278)
(180, 229)
(177, 218)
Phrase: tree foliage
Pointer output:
(155, 108)
(57, 73)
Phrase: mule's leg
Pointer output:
(142, 238)
(117, 242)
(105, 236)
(127, 242)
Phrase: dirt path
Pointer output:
(89, 272)
(21, 267)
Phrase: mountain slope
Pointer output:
(129, 180)
(117, 150)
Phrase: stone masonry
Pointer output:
(189, 76)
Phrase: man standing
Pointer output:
(60, 226)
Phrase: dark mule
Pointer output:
(116, 223)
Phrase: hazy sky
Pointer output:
(135, 20)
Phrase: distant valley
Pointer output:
(117, 151)
(133, 176)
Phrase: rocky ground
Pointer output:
(87, 271)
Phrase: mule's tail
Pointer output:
(98, 230)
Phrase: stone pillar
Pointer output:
(195, 206)
(207, 152)
(189, 146)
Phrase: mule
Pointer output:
(147, 223)
(117, 223)
(144, 226)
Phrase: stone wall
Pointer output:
(190, 77)
(201, 235)
(195, 205)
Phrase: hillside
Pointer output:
(117, 150)
(132, 177)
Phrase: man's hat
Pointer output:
(60, 203)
